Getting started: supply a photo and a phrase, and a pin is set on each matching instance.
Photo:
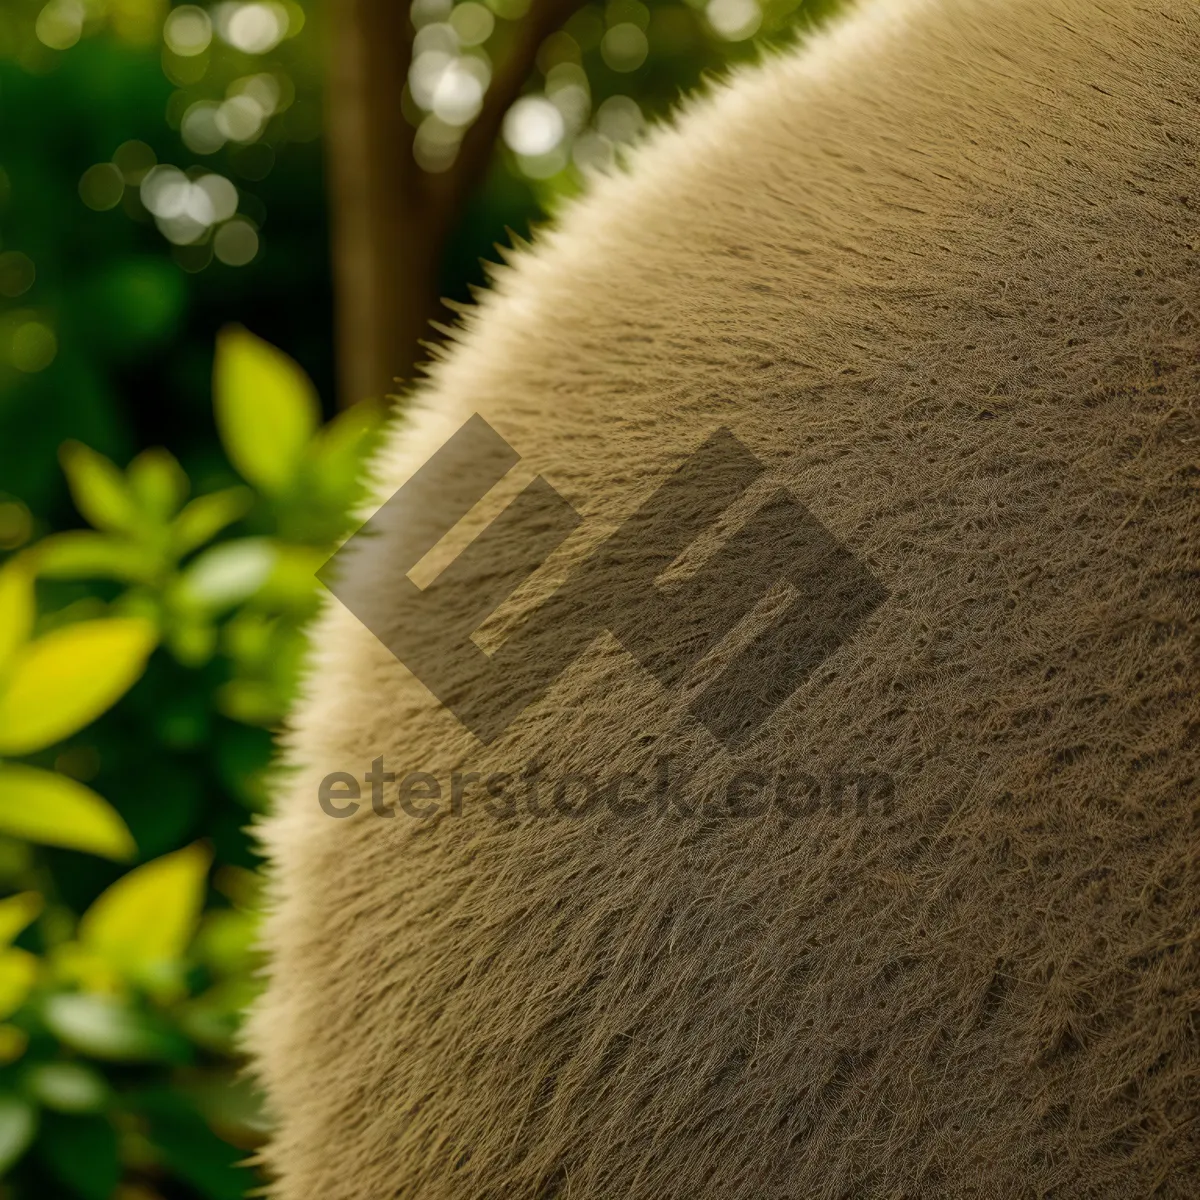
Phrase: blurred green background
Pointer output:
(181, 427)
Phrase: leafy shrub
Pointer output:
(149, 656)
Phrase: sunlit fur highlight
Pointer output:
(939, 269)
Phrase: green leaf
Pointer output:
(339, 450)
(14, 1041)
(215, 1018)
(84, 554)
(17, 610)
(206, 516)
(228, 941)
(144, 922)
(158, 483)
(68, 1087)
(53, 810)
(192, 642)
(266, 408)
(227, 574)
(65, 680)
(16, 913)
(99, 490)
(292, 583)
(251, 702)
(18, 1124)
(105, 1027)
(18, 974)
(344, 438)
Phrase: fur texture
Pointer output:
(939, 270)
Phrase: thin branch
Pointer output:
(475, 153)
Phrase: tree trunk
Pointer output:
(381, 288)
(390, 219)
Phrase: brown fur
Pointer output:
(940, 270)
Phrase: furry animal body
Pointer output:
(939, 271)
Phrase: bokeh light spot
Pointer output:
(184, 229)
(435, 145)
(439, 36)
(102, 186)
(625, 47)
(253, 28)
(295, 17)
(458, 96)
(734, 20)
(164, 191)
(264, 89)
(472, 22)
(567, 88)
(60, 24)
(240, 118)
(559, 47)
(592, 151)
(187, 30)
(620, 119)
(425, 74)
(183, 72)
(186, 209)
(16, 524)
(428, 12)
(236, 242)
(533, 126)
(17, 273)
(133, 159)
(444, 81)
(221, 194)
(33, 347)
(199, 128)
(509, 10)
(544, 166)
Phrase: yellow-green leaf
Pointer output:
(16, 912)
(54, 810)
(147, 918)
(226, 574)
(205, 517)
(18, 1124)
(293, 579)
(192, 641)
(228, 940)
(266, 407)
(18, 974)
(85, 554)
(73, 965)
(110, 1028)
(344, 436)
(69, 1087)
(13, 1042)
(158, 482)
(65, 680)
(16, 611)
(98, 488)
(339, 451)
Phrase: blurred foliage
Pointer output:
(117, 1027)
(161, 187)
